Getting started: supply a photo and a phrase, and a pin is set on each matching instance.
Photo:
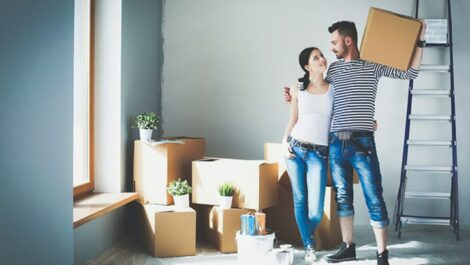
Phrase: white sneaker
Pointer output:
(310, 255)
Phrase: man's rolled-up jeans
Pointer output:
(357, 150)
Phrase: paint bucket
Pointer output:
(254, 249)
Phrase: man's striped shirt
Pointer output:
(355, 89)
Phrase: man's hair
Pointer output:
(345, 29)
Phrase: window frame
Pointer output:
(87, 188)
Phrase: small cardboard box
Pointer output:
(436, 31)
(168, 231)
(282, 220)
(389, 38)
(219, 226)
(255, 182)
(156, 164)
(274, 152)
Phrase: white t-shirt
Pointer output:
(314, 117)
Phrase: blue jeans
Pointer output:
(359, 152)
(307, 173)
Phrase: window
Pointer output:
(83, 98)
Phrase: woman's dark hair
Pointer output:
(303, 61)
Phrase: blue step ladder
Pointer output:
(402, 217)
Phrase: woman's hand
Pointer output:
(289, 153)
(286, 94)
(375, 126)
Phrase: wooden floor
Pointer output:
(419, 245)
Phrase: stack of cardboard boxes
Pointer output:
(256, 189)
(261, 185)
(167, 231)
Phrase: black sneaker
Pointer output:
(382, 258)
(344, 253)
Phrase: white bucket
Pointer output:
(254, 248)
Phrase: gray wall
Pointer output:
(142, 59)
(95, 237)
(36, 82)
(226, 63)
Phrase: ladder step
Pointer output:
(431, 92)
(423, 117)
(425, 220)
(427, 195)
(429, 143)
(438, 45)
(436, 169)
(435, 67)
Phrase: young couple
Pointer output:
(332, 120)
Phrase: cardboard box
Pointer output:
(255, 182)
(156, 164)
(219, 226)
(389, 38)
(169, 232)
(274, 152)
(282, 220)
(328, 233)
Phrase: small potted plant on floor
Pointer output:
(146, 122)
(226, 191)
(180, 191)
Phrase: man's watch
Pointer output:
(421, 43)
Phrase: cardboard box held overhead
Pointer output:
(389, 38)
(168, 231)
(156, 164)
(255, 182)
(274, 152)
(219, 226)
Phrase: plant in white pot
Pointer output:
(146, 122)
(180, 191)
(226, 191)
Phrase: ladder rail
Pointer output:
(454, 187)
(401, 189)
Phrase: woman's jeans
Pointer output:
(357, 150)
(307, 173)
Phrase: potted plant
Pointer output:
(180, 191)
(146, 122)
(226, 191)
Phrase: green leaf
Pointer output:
(178, 187)
(147, 120)
(226, 189)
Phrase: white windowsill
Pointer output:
(99, 204)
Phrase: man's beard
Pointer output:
(339, 56)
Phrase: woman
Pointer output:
(306, 143)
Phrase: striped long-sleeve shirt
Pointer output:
(355, 89)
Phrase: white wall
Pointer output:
(107, 92)
(225, 63)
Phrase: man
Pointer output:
(352, 144)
